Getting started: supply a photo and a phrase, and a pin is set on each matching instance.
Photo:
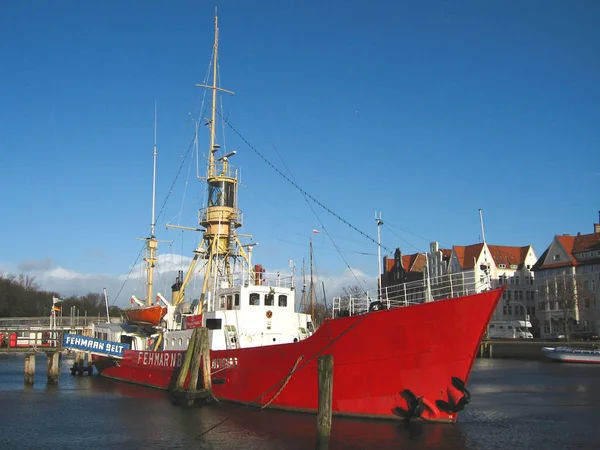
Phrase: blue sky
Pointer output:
(425, 111)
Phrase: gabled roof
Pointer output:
(389, 264)
(509, 256)
(586, 243)
(414, 263)
(571, 245)
(467, 255)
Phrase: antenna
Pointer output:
(481, 222)
(379, 223)
(106, 302)
(153, 223)
(487, 267)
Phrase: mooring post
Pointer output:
(29, 368)
(205, 352)
(325, 370)
(53, 367)
(196, 358)
(186, 364)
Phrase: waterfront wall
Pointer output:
(521, 349)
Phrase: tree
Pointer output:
(563, 295)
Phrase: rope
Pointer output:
(294, 369)
(295, 185)
(300, 358)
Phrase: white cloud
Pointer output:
(68, 282)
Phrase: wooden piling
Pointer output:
(197, 355)
(53, 367)
(325, 371)
(205, 355)
(186, 363)
(196, 358)
(29, 368)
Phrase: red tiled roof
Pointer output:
(567, 243)
(508, 256)
(571, 245)
(467, 255)
(389, 264)
(414, 263)
(586, 242)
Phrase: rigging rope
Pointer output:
(306, 196)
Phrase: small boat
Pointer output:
(145, 315)
(573, 355)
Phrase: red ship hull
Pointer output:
(376, 356)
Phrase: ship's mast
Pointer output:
(151, 242)
(312, 286)
(220, 244)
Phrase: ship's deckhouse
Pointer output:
(255, 316)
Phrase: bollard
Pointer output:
(53, 367)
(29, 368)
(325, 370)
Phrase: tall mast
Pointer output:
(220, 218)
(312, 285)
(151, 242)
(380, 274)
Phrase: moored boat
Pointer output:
(392, 358)
(573, 355)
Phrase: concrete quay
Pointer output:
(530, 349)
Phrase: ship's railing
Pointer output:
(414, 292)
(270, 279)
(27, 323)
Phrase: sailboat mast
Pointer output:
(151, 242)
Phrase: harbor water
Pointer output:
(514, 405)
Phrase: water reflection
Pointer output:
(519, 404)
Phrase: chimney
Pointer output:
(597, 228)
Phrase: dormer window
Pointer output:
(502, 266)
(556, 257)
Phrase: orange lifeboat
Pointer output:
(145, 315)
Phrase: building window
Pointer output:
(222, 302)
(556, 257)
(236, 300)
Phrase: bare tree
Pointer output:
(566, 293)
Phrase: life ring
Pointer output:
(269, 314)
